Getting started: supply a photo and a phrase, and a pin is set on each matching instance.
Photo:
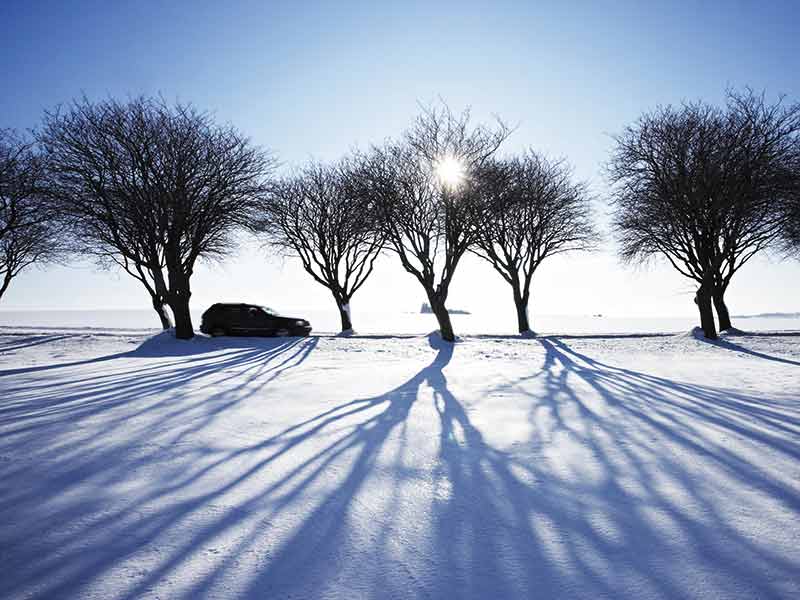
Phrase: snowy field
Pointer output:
(659, 466)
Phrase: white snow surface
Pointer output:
(399, 467)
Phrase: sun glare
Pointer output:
(450, 171)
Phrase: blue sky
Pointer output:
(314, 79)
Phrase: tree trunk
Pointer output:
(343, 304)
(5, 283)
(703, 301)
(159, 298)
(178, 298)
(442, 316)
(161, 311)
(344, 315)
(521, 303)
(183, 318)
(723, 316)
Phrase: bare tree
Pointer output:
(29, 230)
(423, 188)
(698, 185)
(318, 216)
(532, 209)
(153, 187)
(760, 157)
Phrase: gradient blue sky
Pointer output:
(314, 79)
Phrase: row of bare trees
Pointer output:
(154, 187)
(144, 185)
(430, 197)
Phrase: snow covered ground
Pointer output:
(398, 467)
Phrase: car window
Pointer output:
(234, 312)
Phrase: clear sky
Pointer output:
(312, 79)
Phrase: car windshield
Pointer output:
(270, 311)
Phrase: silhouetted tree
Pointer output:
(318, 216)
(153, 187)
(761, 173)
(699, 186)
(423, 188)
(531, 209)
(29, 229)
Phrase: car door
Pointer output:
(235, 317)
(251, 323)
(259, 322)
(271, 324)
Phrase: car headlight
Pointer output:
(301, 323)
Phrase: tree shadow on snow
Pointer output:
(502, 526)
(730, 345)
(594, 504)
(160, 345)
(20, 342)
(173, 400)
(497, 525)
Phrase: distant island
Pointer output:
(427, 310)
(776, 315)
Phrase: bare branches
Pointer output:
(428, 221)
(789, 214)
(437, 133)
(319, 216)
(29, 229)
(530, 210)
(153, 186)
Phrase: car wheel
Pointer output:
(217, 331)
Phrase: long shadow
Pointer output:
(26, 405)
(595, 505)
(29, 341)
(161, 345)
(321, 531)
(325, 528)
(170, 410)
(105, 389)
(658, 403)
(511, 528)
(671, 417)
(729, 345)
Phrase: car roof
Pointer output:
(233, 305)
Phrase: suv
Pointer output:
(250, 319)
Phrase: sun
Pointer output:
(450, 171)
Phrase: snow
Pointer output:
(399, 466)
(500, 320)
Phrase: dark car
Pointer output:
(250, 319)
